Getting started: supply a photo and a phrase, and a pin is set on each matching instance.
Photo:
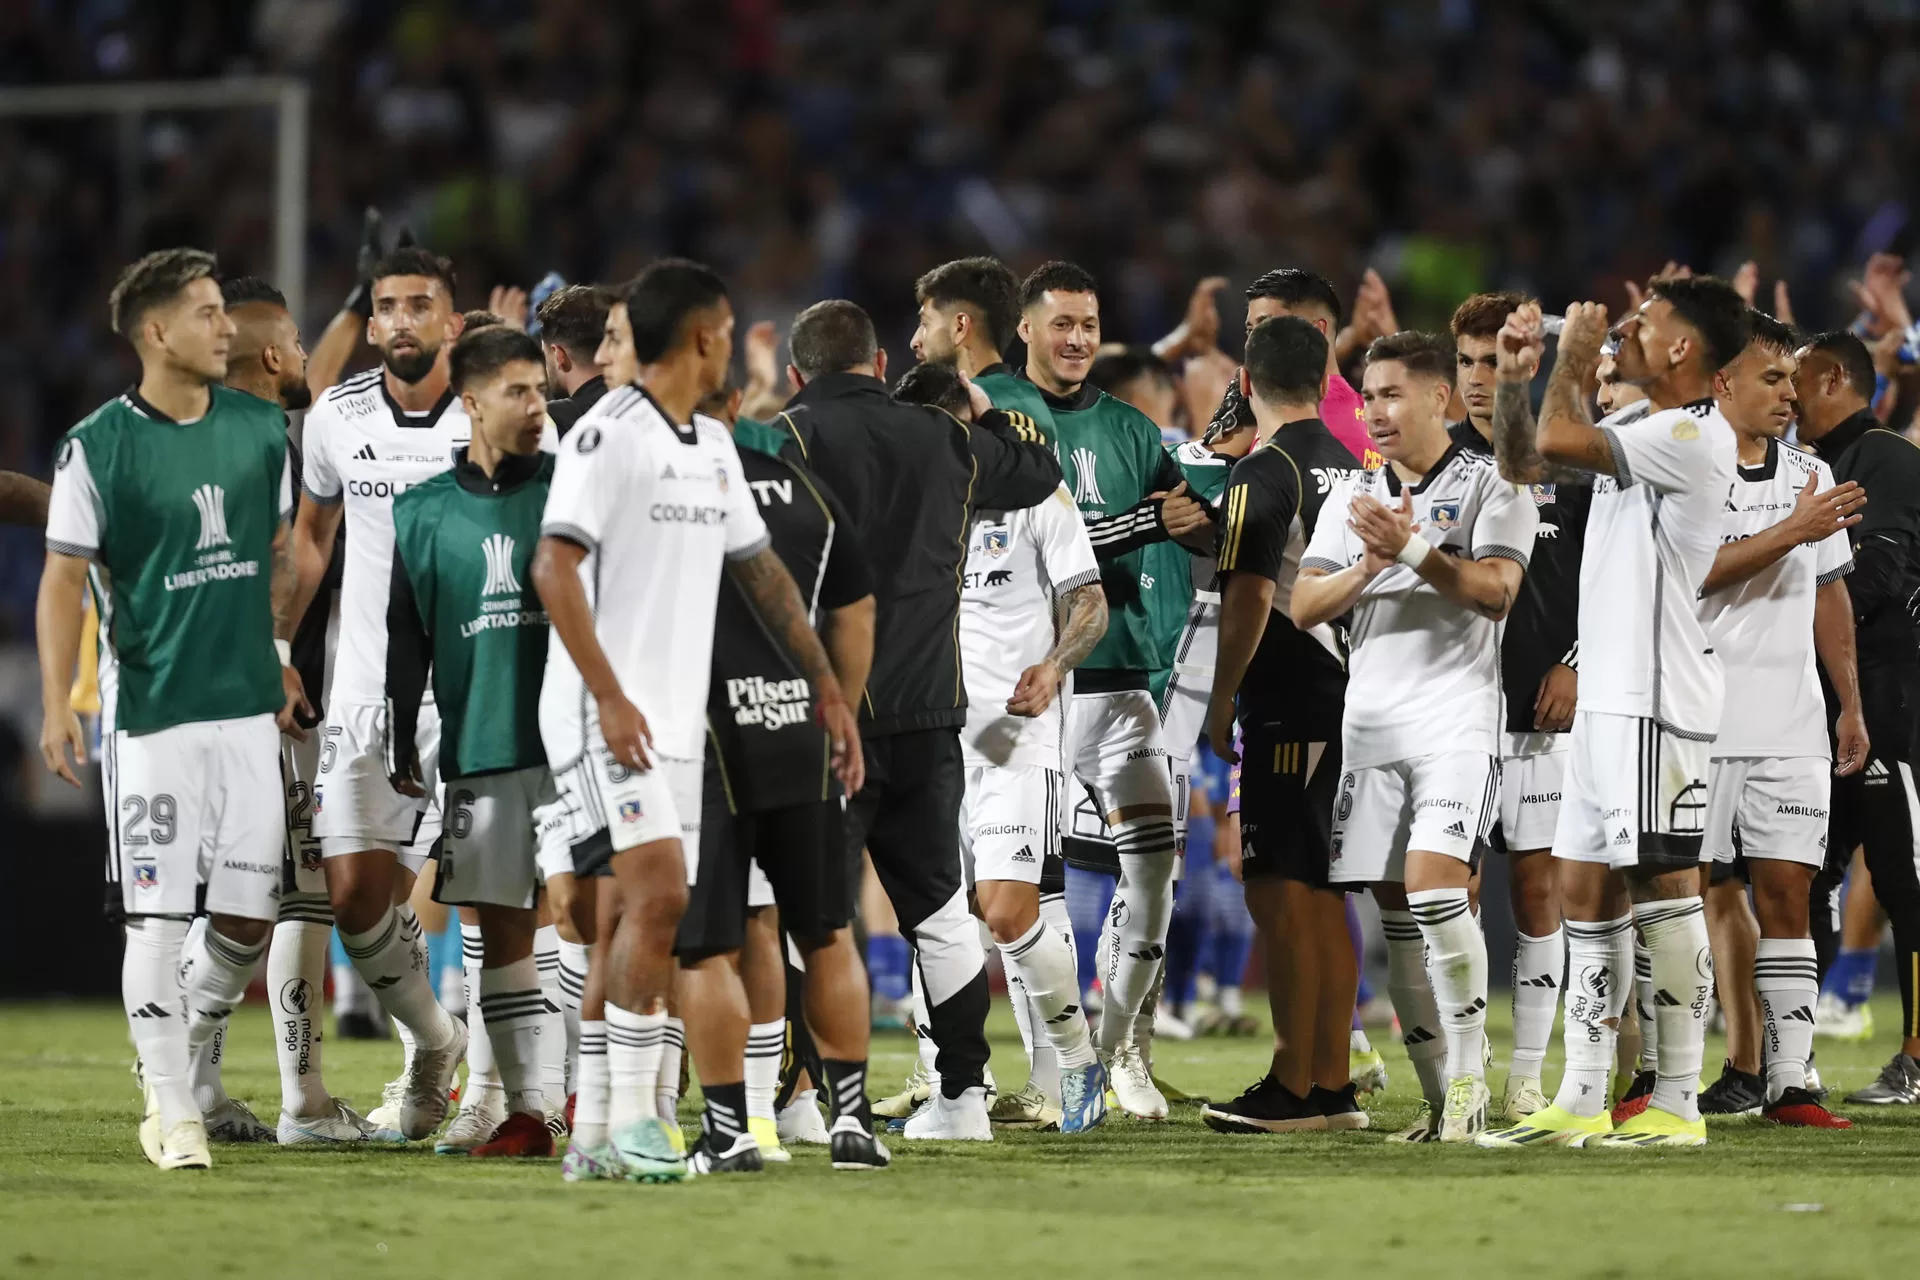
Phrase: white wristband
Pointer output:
(1416, 550)
(285, 649)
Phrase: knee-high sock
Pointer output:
(592, 1086)
(1676, 934)
(666, 1087)
(766, 1044)
(1046, 1062)
(388, 956)
(1089, 895)
(482, 1069)
(1457, 968)
(1411, 992)
(1643, 1004)
(633, 1064)
(1786, 972)
(573, 988)
(1136, 930)
(296, 994)
(1538, 965)
(157, 1013)
(215, 972)
(1596, 995)
(952, 967)
(510, 1003)
(553, 1023)
(1045, 965)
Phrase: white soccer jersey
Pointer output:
(1651, 537)
(1762, 629)
(1018, 564)
(361, 448)
(1425, 672)
(659, 508)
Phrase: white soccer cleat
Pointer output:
(1465, 1113)
(423, 1105)
(919, 1088)
(233, 1122)
(339, 1123)
(800, 1121)
(961, 1119)
(1425, 1128)
(185, 1147)
(1835, 1019)
(150, 1142)
(1523, 1097)
(1131, 1080)
(482, 1110)
(1027, 1108)
(384, 1120)
(1166, 1026)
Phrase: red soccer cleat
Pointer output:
(1635, 1099)
(1801, 1110)
(521, 1136)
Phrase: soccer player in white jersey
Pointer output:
(174, 498)
(1650, 684)
(1428, 553)
(648, 505)
(368, 439)
(1775, 597)
(1031, 607)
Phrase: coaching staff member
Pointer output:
(910, 477)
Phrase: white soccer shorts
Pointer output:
(198, 804)
(1010, 822)
(492, 839)
(636, 808)
(1437, 804)
(1635, 794)
(1115, 746)
(299, 768)
(354, 804)
(1533, 770)
(1779, 806)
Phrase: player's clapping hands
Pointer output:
(1383, 530)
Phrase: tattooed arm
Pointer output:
(769, 588)
(1085, 610)
(1563, 447)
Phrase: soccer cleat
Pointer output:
(362, 1026)
(650, 1150)
(741, 1156)
(1735, 1093)
(1898, 1085)
(521, 1135)
(961, 1119)
(385, 1118)
(1465, 1113)
(1425, 1128)
(1799, 1109)
(483, 1111)
(340, 1123)
(185, 1147)
(1029, 1108)
(1340, 1106)
(766, 1135)
(1166, 1026)
(910, 1099)
(855, 1149)
(232, 1122)
(1083, 1098)
(591, 1164)
(1132, 1083)
(1639, 1093)
(1368, 1070)
(150, 1138)
(1522, 1098)
(1551, 1126)
(1835, 1019)
(1653, 1129)
(800, 1121)
(423, 1104)
(558, 1126)
(1266, 1106)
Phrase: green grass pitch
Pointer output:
(1130, 1200)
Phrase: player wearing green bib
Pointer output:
(175, 496)
(463, 605)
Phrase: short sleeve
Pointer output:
(1505, 526)
(1833, 554)
(1065, 548)
(1668, 451)
(76, 520)
(1330, 549)
(585, 489)
(747, 534)
(1257, 515)
(319, 470)
(286, 484)
(844, 578)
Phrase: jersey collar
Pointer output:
(1084, 397)
(1836, 441)
(686, 433)
(145, 410)
(413, 422)
(1433, 472)
(1763, 469)
(514, 470)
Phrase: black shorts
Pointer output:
(1287, 793)
(594, 855)
(800, 851)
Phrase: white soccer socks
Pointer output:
(1676, 933)
(633, 1064)
(1787, 973)
(510, 1003)
(554, 1049)
(482, 1067)
(592, 1083)
(573, 989)
(1045, 965)
(1413, 1003)
(1136, 934)
(388, 956)
(296, 994)
(1643, 1004)
(1538, 964)
(1457, 969)
(766, 1044)
(666, 1085)
(214, 972)
(157, 1013)
(1596, 995)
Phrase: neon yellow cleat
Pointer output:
(1654, 1129)
(767, 1134)
(1368, 1070)
(1553, 1127)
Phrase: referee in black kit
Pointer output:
(910, 477)
(1877, 807)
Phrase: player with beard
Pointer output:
(1650, 684)
(572, 321)
(368, 440)
(969, 314)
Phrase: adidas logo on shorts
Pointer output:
(1457, 831)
